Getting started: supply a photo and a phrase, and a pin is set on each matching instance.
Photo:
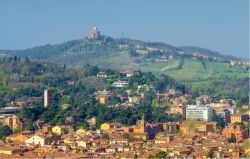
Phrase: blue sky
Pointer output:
(220, 25)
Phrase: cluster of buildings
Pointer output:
(206, 108)
(195, 136)
(188, 139)
(235, 63)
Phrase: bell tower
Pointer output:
(142, 124)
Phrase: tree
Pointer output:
(133, 53)
(91, 70)
(210, 154)
(4, 131)
(105, 136)
(220, 121)
(81, 124)
(29, 126)
(232, 139)
(160, 154)
(125, 136)
(50, 113)
(175, 131)
(31, 112)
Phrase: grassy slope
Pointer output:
(191, 70)
(193, 73)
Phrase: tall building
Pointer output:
(140, 126)
(202, 112)
(47, 97)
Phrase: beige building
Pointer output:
(10, 150)
(36, 140)
(63, 129)
(13, 122)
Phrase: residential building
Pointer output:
(103, 96)
(240, 131)
(10, 150)
(178, 110)
(134, 99)
(232, 110)
(102, 74)
(176, 102)
(192, 126)
(21, 137)
(120, 84)
(203, 99)
(163, 96)
(236, 118)
(36, 140)
(80, 131)
(91, 121)
(110, 126)
(13, 122)
(103, 99)
(204, 126)
(127, 73)
(218, 105)
(70, 82)
(201, 112)
(170, 126)
(63, 129)
(163, 138)
(83, 143)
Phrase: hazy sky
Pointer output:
(220, 25)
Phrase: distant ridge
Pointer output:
(194, 63)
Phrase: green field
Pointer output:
(193, 70)
(140, 51)
(193, 73)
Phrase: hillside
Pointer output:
(185, 64)
(77, 88)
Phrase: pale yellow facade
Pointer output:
(105, 126)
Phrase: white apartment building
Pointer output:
(202, 112)
(120, 84)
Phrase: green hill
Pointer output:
(186, 64)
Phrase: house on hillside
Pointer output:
(37, 140)
(120, 84)
(101, 74)
(63, 129)
(127, 73)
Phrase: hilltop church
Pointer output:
(94, 33)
